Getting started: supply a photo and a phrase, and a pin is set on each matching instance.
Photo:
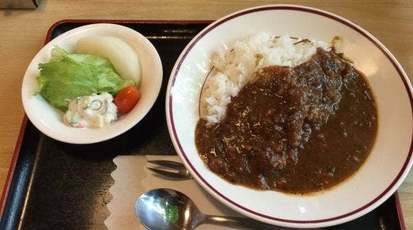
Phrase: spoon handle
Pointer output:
(241, 222)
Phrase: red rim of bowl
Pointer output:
(391, 188)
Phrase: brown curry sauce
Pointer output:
(296, 130)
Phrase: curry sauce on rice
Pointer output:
(285, 114)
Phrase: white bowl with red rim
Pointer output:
(390, 159)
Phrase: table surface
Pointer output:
(23, 33)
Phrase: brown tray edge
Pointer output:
(399, 211)
(12, 167)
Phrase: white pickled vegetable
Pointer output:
(122, 56)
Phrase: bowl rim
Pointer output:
(290, 223)
(124, 123)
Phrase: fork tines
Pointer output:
(166, 163)
(170, 169)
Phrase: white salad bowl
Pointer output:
(389, 161)
(50, 120)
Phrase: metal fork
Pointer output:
(170, 169)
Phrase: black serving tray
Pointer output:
(55, 185)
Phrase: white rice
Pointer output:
(234, 65)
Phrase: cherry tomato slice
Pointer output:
(126, 99)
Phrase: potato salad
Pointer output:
(94, 84)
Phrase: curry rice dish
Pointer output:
(297, 129)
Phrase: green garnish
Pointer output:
(68, 76)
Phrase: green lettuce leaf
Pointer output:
(68, 76)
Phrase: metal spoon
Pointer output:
(172, 210)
